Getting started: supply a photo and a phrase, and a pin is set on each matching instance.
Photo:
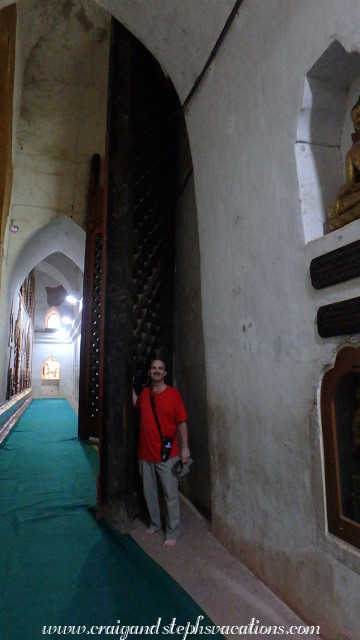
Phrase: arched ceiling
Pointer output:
(64, 274)
(179, 33)
(60, 235)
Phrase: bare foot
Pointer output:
(150, 531)
(169, 544)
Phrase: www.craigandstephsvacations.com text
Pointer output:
(124, 631)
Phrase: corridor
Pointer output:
(60, 566)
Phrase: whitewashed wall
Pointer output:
(64, 353)
(264, 357)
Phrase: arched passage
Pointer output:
(60, 236)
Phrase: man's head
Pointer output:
(157, 371)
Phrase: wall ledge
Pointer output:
(11, 411)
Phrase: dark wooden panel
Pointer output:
(116, 469)
(339, 524)
(339, 318)
(91, 354)
(139, 255)
(336, 266)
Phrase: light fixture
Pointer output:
(73, 300)
(14, 227)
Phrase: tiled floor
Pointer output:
(215, 579)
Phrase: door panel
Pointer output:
(139, 254)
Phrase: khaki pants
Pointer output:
(169, 483)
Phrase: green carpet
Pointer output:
(59, 566)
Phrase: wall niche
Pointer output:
(332, 87)
(340, 416)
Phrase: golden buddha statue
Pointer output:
(346, 207)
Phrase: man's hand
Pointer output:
(134, 396)
(184, 454)
(184, 448)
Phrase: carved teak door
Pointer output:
(136, 251)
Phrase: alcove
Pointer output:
(51, 369)
(50, 378)
(331, 88)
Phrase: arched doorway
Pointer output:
(55, 258)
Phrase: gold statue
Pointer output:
(346, 207)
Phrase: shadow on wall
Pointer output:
(190, 373)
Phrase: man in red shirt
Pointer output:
(168, 406)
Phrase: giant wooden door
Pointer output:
(139, 256)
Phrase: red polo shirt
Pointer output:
(170, 410)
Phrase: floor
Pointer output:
(216, 580)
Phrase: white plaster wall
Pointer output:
(63, 352)
(180, 34)
(318, 153)
(62, 97)
(264, 357)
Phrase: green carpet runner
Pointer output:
(59, 566)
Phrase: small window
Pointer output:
(52, 319)
(51, 369)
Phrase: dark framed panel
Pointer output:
(339, 318)
(92, 330)
(339, 265)
(340, 414)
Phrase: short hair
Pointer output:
(154, 360)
